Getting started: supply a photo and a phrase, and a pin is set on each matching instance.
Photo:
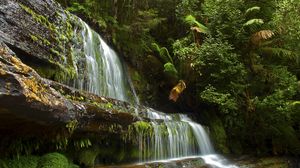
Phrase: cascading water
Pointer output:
(174, 136)
(104, 74)
(177, 136)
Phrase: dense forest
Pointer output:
(232, 65)
(238, 58)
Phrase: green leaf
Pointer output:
(169, 68)
(191, 20)
(163, 52)
(253, 22)
(252, 9)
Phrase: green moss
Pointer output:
(87, 157)
(139, 128)
(21, 162)
(51, 160)
(56, 72)
(39, 18)
(142, 127)
(219, 135)
(61, 52)
(34, 38)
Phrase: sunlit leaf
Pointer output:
(191, 20)
(177, 90)
(253, 22)
(252, 9)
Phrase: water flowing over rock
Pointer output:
(177, 136)
(104, 74)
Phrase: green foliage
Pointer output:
(249, 84)
(214, 60)
(71, 125)
(49, 160)
(244, 69)
(191, 20)
(254, 22)
(225, 101)
(20, 162)
(225, 19)
(252, 10)
(87, 157)
(170, 69)
(162, 52)
(218, 134)
(188, 7)
(138, 129)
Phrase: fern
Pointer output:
(279, 52)
(169, 68)
(252, 10)
(253, 22)
(191, 20)
(295, 103)
(163, 53)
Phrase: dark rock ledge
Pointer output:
(32, 105)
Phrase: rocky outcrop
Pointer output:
(32, 105)
(41, 33)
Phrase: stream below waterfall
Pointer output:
(174, 137)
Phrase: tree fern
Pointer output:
(191, 20)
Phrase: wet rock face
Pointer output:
(40, 32)
(18, 26)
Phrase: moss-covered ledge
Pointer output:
(50, 115)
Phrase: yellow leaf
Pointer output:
(177, 90)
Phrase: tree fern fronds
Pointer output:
(163, 53)
(279, 52)
(191, 20)
(253, 22)
(259, 36)
(252, 9)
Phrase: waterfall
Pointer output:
(103, 73)
(100, 71)
(183, 139)
(175, 136)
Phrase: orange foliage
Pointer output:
(177, 90)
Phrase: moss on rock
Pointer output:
(50, 160)
(219, 135)
(53, 160)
